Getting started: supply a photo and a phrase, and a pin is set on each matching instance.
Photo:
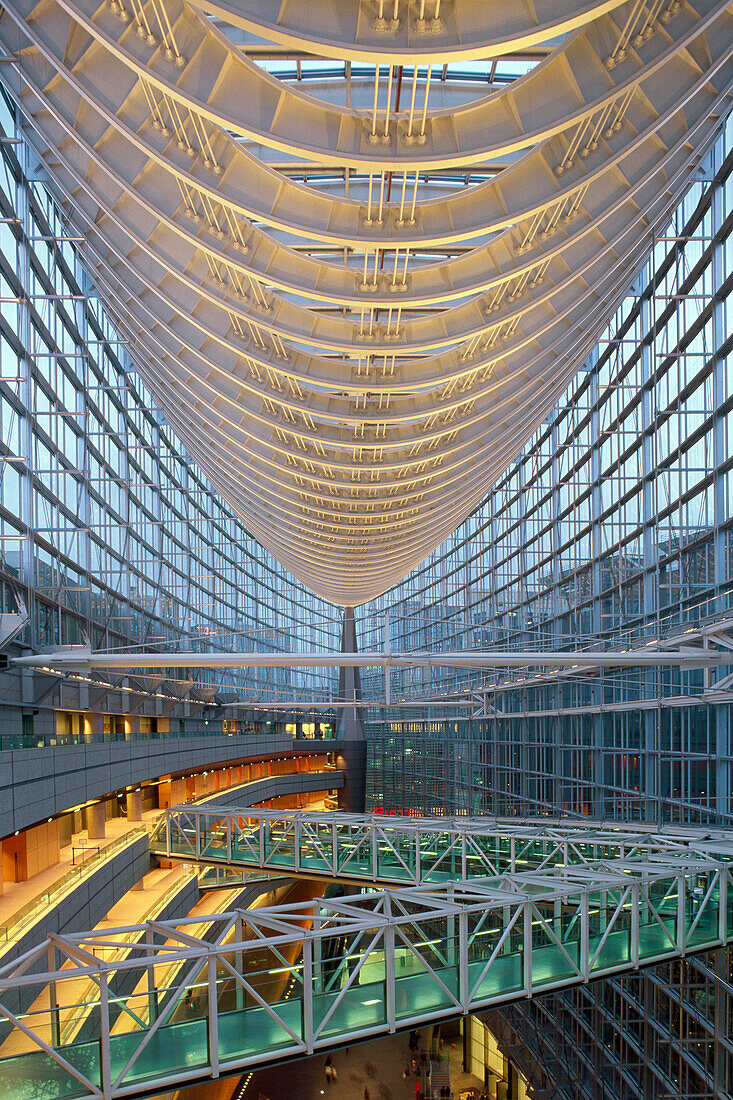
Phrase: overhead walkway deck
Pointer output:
(547, 905)
(395, 850)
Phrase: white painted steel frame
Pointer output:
(675, 655)
(527, 906)
(262, 837)
(352, 433)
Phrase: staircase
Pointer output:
(439, 1077)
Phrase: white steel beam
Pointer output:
(82, 659)
(350, 392)
(559, 904)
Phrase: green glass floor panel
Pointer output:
(314, 862)
(394, 872)
(356, 865)
(243, 852)
(216, 849)
(616, 949)
(438, 874)
(416, 994)
(653, 941)
(706, 929)
(503, 976)
(550, 964)
(280, 858)
(181, 847)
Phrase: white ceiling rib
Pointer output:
(352, 393)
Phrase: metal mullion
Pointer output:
(105, 1067)
(213, 1016)
(527, 945)
(681, 913)
(723, 904)
(584, 944)
(308, 992)
(389, 973)
(634, 944)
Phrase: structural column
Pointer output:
(134, 805)
(93, 726)
(352, 758)
(95, 821)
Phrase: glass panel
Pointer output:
(354, 850)
(35, 1074)
(506, 972)
(396, 862)
(252, 1031)
(280, 847)
(174, 1047)
(361, 1006)
(549, 962)
(658, 936)
(439, 858)
(317, 854)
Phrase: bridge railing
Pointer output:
(296, 978)
(377, 849)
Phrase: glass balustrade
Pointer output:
(389, 959)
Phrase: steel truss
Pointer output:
(294, 978)
(355, 412)
(83, 659)
(377, 849)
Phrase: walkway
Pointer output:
(377, 1066)
(23, 903)
(400, 851)
(144, 902)
(566, 903)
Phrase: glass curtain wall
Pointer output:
(109, 534)
(614, 528)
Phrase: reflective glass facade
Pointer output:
(614, 527)
(109, 532)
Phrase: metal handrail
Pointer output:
(20, 921)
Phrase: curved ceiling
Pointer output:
(361, 247)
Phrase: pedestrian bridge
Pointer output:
(369, 849)
(452, 916)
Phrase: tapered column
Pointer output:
(93, 726)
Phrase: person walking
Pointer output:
(328, 1070)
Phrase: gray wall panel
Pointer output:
(41, 782)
